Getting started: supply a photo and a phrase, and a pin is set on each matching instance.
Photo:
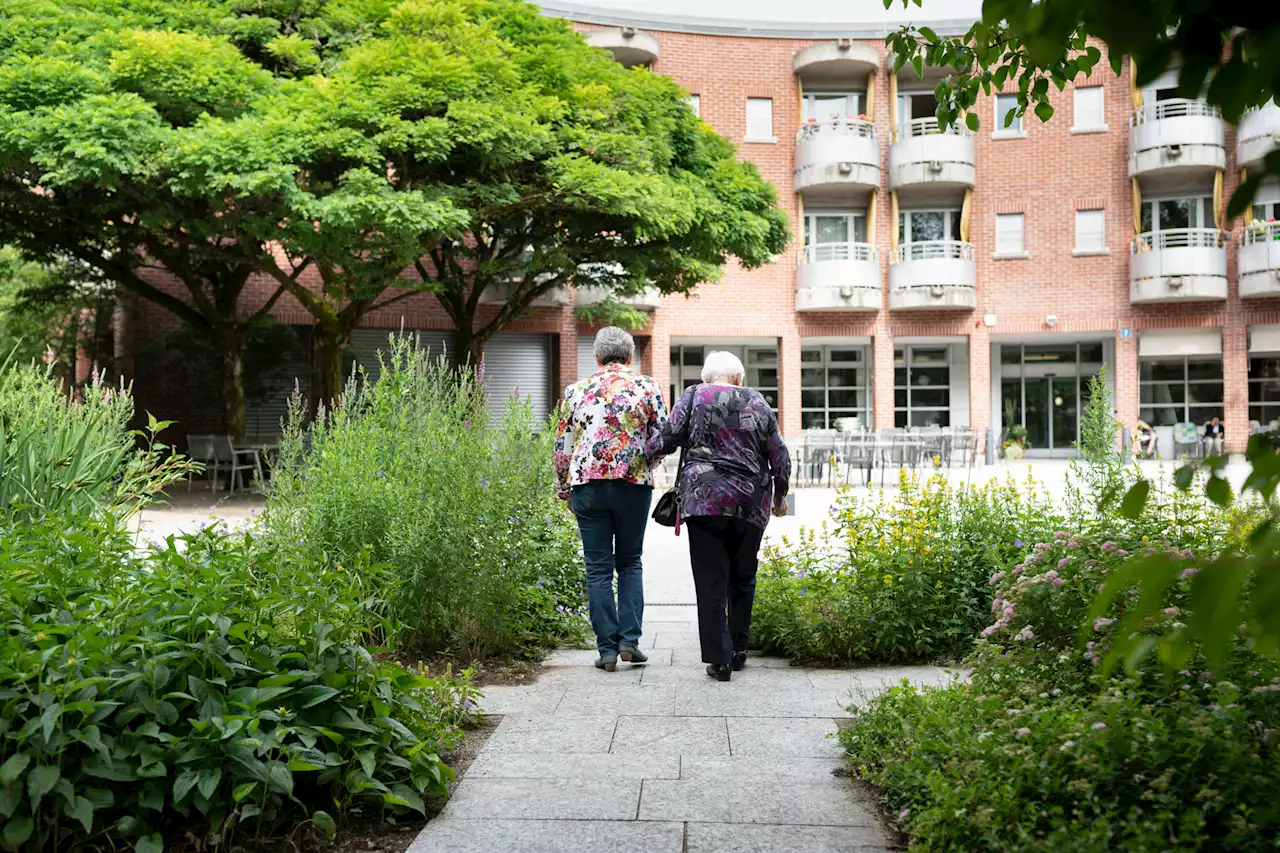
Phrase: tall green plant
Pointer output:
(1099, 475)
(460, 506)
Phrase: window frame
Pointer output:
(948, 213)
(908, 364)
(1081, 249)
(1016, 128)
(750, 135)
(1151, 208)
(1101, 118)
(1257, 379)
(1146, 411)
(826, 364)
(1020, 251)
(858, 98)
(695, 103)
(852, 216)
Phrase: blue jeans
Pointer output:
(612, 515)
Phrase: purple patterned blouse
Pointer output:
(737, 463)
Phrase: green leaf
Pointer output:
(1219, 491)
(324, 822)
(280, 779)
(1184, 476)
(81, 810)
(403, 795)
(12, 769)
(1044, 111)
(40, 781)
(183, 784)
(209, 779)
(17, 831)
(314, 694)
(152, 843)
(972, 121)
(1135, 500)
(243, 790)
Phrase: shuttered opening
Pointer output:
(268, 394)
(518, 362)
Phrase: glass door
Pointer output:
(1065, 405)
(1037, 412)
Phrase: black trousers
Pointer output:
(725, 553)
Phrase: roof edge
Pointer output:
(587, 14)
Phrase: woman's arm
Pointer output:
(779, 460)
(674, 433)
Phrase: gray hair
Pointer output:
(722, 367)
(614, 346)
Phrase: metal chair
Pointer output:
(200, 449)
(1185, 434)
(860, 454)
(821, 453)
(234, 460)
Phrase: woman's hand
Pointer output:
(780, 509)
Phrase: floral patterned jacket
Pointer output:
(737, 463)
(606, 422)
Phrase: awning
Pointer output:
(1179, 342)
(1264, 339)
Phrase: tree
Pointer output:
(1227, 52)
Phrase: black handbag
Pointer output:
(667, 512)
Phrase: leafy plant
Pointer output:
(483, 560)
(210, 690)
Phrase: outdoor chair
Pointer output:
(236, 461)
(859, 454)
(820, 455)
(1187, 435)
(200, 449)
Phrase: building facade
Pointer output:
(944, 278)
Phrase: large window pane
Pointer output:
(1204, 369)
(900, 398)
(1011, 401)
(924, 417)
(1205, 392)
(845, 356)
(1162, 371)
(930, 376)
(762, 378)
(930, 397)
(813, 399)
(813, 377)
(1163, 392)
(1051, 355)
(923, 356)
(813, 420)
(1161, 415)
(693, 356)
(762, 356)
(845, 377)
(1091, 353)
(1175, 213)
(1010, 354)
(811, 356)
(1266, 391)
(1201, 415)
(848, 399)
(831, 229)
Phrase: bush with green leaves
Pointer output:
(899, 576)
(209, 691)
(412, 469)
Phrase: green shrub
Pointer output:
(207, 691)
(61, 455)
(903, 576)
(483, 558)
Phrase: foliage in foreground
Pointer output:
(206, 691)
(413, 470)
(1043, 750)
(899, 577)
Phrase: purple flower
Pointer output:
(1026, 634)
(1017, 543)
(804, 592)
(1058, 581)
(1017, 570)
(1089, 645)
(1171, 611)
(996, 578)
(1074, 543)
(559, 608)
(1099, 726)
(1109, 546)
(484, 483)
(1122, 553)
(1186, 554)
(1100, 623)
(1186, 573)
(988, 631)
(902, 815)
(466, 424)
(466, 704)
(1024, 731)
(1062, 564)
(480, 372)
(515, 393)
(1061, 534)
(873, 618)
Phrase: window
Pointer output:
(1178, 390)
(1088, 109)
(917, 226)
(825, 105)
(695, 104)
(760, 120)
(919, 109)
(1264, 390)
(1009, 237)
(686, 370)
(1172, 213)
(762, 374)
(834, 384)
(921, 386)
(820, 228)
(1091, 230)
(1007, 118)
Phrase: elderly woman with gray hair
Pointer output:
(735, 474)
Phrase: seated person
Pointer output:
(1213, 434)
(1146, 438)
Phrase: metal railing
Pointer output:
(1179, 238)
(819, 252)
(1173, 108)
(1263, 233)
(850, 126)
(927, 127)
(932, 250)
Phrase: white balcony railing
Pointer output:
(924, 153)
(1178, 265)
(1173, 108)
(822, 252)
(837, 152)
(848, 125)
(927, 127)
(1258, 135)
(1259, 260)
(933, 250)
(1181, 135)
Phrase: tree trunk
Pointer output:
(468, 350)
(330, 347)
(231, 349)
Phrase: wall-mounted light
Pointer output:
(989, 319)
(1051, 320)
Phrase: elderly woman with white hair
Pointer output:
(735, 473)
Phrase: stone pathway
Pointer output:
(661, 759)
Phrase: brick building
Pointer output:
(938, 278)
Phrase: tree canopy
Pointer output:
(353, 152)
(1226, 52)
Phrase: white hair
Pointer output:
(722, 367)
(614, 346)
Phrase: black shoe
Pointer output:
(739, 661)
(719, 671)
(608, 664)
(631, 654)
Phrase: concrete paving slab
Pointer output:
(587, 676)
(621, 699)
(748, 838)
(521, 699)
(739, 698)
(734, 769)
(692, 656)
(671, 736)
(772, 737)
(754, 801)
(503, 765)
(775, 677)
(544, 799)
(877, 679)
(548, 735)
(587, 658)
(548, 836)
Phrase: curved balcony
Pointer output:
(1178, 265)
(1176, 137)
(836, 61)
(838, 277)
(933, 275)
(922, 153)
(1258, 135)
(498, 294)
(835, 155)
(1259, 260)
(628, 45)
(587, 296)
